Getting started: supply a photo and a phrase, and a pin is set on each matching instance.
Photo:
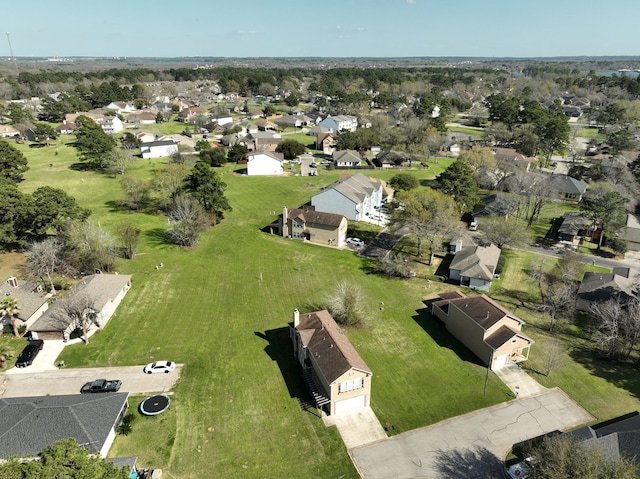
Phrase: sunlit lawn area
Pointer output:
(605, 389)
(222, 309)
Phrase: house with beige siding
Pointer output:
(102, 293)
(315, 226)
(491, 332)
(337, 377)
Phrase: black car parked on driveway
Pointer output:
(29, 353)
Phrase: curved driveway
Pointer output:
(469, 446)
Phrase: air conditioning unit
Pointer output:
(13, 281)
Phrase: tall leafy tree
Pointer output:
(13, 163)
(89, 247)
(93, 143)
(605, 207)
(52, 208)
(15, 212)
(458, 182)
(291, 149)
(428, 214)
(204, 184)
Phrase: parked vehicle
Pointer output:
(473, 226)
(101, 386)
(355, 241)
(29, 353)
(159, 367)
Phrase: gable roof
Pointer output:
(355, 187)
(274, 156)
(567, 184)
(29, 298)
(601, 287)
(309, 215)
(482, 310)
(476, 261)
(573, 222)
(29, 424)
(99, 288)
(350, 156)
(497, 204)
(331, 350)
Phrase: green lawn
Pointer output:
(222, 309)
(605, 389)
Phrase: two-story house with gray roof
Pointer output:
(354, 196)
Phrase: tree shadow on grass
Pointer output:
(620, 373)
(280, 350)
(81, 166)
(468, 463)
(438, 332)
(157, 237)
(517, 298)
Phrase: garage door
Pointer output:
(349, 404)
(500, 361)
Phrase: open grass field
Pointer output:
(222, 309)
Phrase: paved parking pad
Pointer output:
(474, 445)
(357, 427)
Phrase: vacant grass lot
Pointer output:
(222, 309)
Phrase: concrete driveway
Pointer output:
(469, 446)
(357, 427)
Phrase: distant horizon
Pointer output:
(498, 29)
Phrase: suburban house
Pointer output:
(101, 292)
(31, 298)
(65, 128)
(574, 227)
(111, 124)
(598, 287)
(144, 117)
(339, 123)
(336, 375)
(188, 115)
(314, 226)
(263, 140)
(326, 143)
(392, 159)
(264, 125)
(511, 156)
(145, 136)
(346, 158)
(567, 188)
(292, 121)
(631, 233)
(497, 205)
(491, 332)
(354, 196)
(265, 163)
(318, 130)
(222, 119)
(30, 424)
(475, 266)
(158, 149)
(120, 107)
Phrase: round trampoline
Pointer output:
(155, 405)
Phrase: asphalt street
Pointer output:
(69, 381)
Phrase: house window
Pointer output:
(351, 384)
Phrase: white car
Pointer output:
(355, 241)
(159, 367)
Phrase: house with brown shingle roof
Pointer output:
(337, 377)
(491, 332)
(475, 266)
(315, 226)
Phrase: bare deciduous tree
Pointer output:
(130, 236)
(187, 219)
(347, 304)
(79, 308)
(552, 355)
(45, 259)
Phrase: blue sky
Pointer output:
(329, 28)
